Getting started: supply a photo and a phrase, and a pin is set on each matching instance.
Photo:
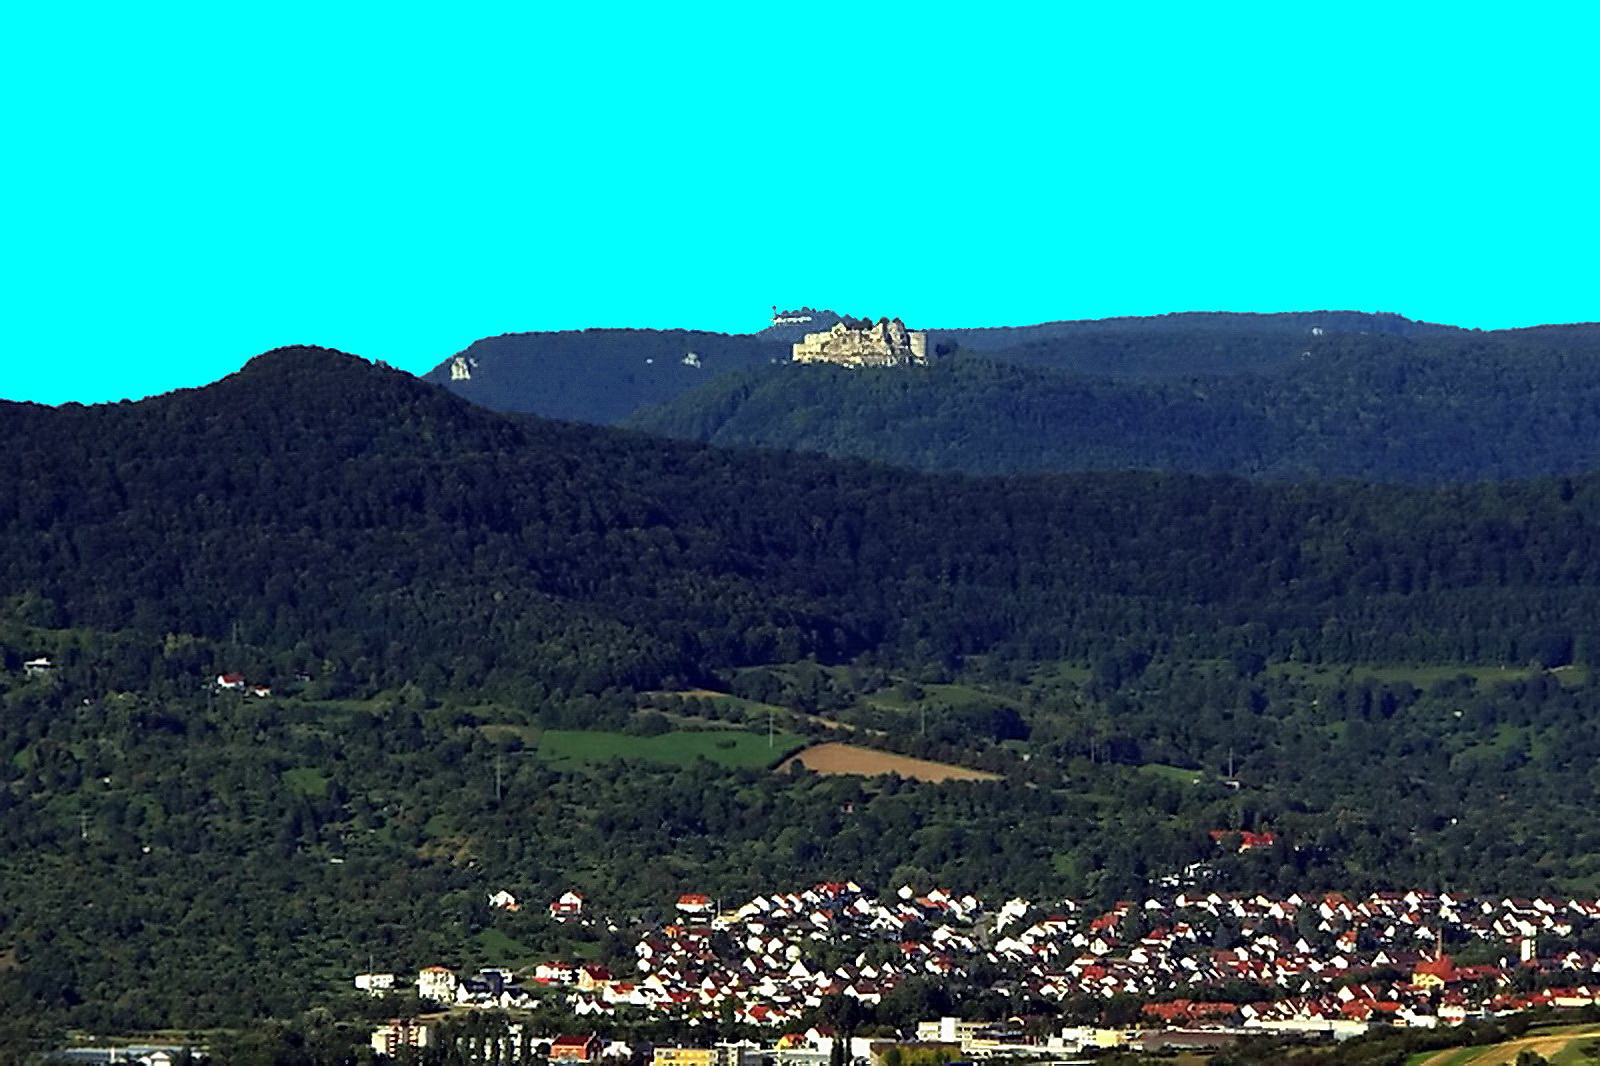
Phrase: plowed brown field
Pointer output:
(849, 759)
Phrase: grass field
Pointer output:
(500, 731)
(865, 762)
(724, 747)
(502, 950)
(1561, 1046)
(1453, 1057)
(1173, 773)
(306, 781)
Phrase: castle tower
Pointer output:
(885, 342)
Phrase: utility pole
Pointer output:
(499, 772)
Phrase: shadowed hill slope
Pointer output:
(322, 507)
(598, 375)
(1381, 408)
(603, 375)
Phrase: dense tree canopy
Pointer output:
(332, 511)
(1380, 408)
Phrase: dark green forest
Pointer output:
(1302, 396)
(1226, 327)
(330, 510)
(1428, 409)
(601, 375)
(1396, 680)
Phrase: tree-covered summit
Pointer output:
(315, 502)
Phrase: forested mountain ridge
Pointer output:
(604, 375)
(1299, 396)
(1224, 323)
(309, 499)
(597, 375)
(1380, 408)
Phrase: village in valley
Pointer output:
(1190, 969)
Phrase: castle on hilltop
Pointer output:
(885, 342)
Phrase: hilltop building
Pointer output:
(802, 317)
(885, 342)
(793, 325)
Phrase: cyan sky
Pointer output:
(192, 184)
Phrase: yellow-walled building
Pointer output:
(683, 1056)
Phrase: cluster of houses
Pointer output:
(237, 683)
(1326, 963)
(1309, 953)
(44, 666)
(516, 1043)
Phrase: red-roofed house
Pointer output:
(570, 905)
(1247, 839)
(593, 976)
(691, 903)
(575, 1049)
(1434, 973)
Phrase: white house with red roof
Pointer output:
(569, 905)
(437, 983)
(695, 905)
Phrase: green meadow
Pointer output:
(682, 748)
